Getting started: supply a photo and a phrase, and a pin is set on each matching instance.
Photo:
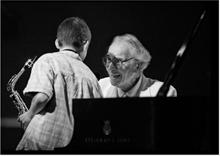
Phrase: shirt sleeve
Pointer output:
(41, 78)
(152, 91)
(172, 92)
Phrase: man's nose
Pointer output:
(112, 66)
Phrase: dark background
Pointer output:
(29, 29)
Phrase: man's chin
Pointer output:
(115, 82)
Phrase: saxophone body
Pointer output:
(16, 98)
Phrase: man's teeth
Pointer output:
(116, 75)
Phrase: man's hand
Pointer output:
(25, 119)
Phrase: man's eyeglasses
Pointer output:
(114, 60)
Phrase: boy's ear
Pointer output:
(86, 45)
(57, 44)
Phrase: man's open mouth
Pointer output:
(115, 75)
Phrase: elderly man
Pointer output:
(125, 62)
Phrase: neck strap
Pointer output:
(70, 50)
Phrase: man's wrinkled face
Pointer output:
(121, 65)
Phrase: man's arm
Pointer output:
(38, 102)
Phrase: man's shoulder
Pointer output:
(154, 83)
(154, 86)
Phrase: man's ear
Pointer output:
(139, 66)
(57, 44)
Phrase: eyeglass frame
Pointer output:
(114, 60)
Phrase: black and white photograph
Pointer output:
(110, 77)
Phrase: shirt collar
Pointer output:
(134, 91)
(71, 54)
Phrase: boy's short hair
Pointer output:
(73, 31)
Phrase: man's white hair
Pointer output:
(143, 54)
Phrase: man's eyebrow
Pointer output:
(111, 55)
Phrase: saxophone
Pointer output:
(16, 98)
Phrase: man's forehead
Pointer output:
(121, 49)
